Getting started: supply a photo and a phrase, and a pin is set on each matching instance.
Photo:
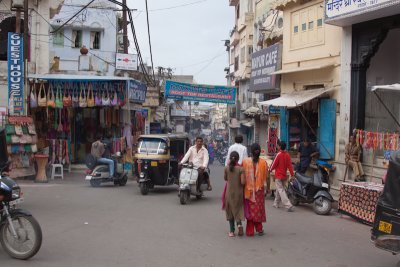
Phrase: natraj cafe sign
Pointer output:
(15, 73)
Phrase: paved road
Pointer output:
(116, 226)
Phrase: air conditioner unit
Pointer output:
(17, 4)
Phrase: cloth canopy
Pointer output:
(295, 99)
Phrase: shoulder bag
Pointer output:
(75, 97)
(50, 97)
(42, 100)
(33, 96)
(106, 99)
(67, 100)
(59, 102)
(90, 97)
(82, 97)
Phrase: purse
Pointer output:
(18, 130)
(114, 100)
(67, 100)
(105, 99)
(90, 97)
(31, 129)
(42, 100)
(34, 148)
(121, 98)
(59, 102)
(82, 99)
(75, 99)
(60, 125)
(33, 97)
(50, 97)
(97, 98)
(10, 129)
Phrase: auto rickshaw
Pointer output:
(386, 229)
(157, 158)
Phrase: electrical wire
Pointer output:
(208, 64)
(200, 62)
(148, 33)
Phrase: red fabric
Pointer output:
(281, 163)
(256, 210)
(250, 225)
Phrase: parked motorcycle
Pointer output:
(100, 173)
(20, 233)
(188, 180)
(315, 189)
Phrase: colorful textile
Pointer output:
(255, 211)
(254, 180)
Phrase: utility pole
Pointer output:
(125, 27)
(26, 31)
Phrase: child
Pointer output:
(234, 176)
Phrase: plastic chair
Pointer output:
(54, 173)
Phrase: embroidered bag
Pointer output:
(59, 102)
(121, 98)
(31, 129)
(106, 99)
(50, 97)
(18, 130)
(82, 97)
(67, 100)
(42, 100)
(75, 98)
(114, 100)
(97, 98)
(90, 97)
(33, 96)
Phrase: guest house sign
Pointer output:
(337, 8)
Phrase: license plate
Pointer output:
(325, 185)
(88, 177)
(385, 227)
(154, 164)
(16, 202)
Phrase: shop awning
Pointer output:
(253, 111)
(72, 77)
(248, 124)
(296, 98)
(307, 68)
(391, 87)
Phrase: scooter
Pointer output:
(315, 189)
(188, 179)
(100, 173)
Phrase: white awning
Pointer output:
(391, 87)
(296, 98)
(76, 77)
(307, 68)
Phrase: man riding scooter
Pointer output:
(98, 151)
(198, 155)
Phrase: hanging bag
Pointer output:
(50, 97)
(75, 97)
(97, 98)
(90, 97)
(60, 125)
(114, 99)
(42, 99)
(67, 100)
(121, 98)
(33, 97)
(106, 99)
(82, 97)
(59, 102)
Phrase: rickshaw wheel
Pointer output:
(144, 188)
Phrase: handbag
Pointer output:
(59, 102)
(60, 125)
(33, 97)
(67, 100)
(114, 100)
(18, 130)
(75, 99)
(105, 99)
(15, 139)
(90, 97)
(42, 100)
(34, 148)
(10, 129)
(82, 99)
(121, 99)
(97, 98)
(50, 97)
(31, 129)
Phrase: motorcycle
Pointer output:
(20, 233)
(315, 189)
(188, 180)
(100, 173)
(220, 154)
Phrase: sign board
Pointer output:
(152, 97)
(337, 8)
(126, 61)
(136, 91)
(263, 63)
(200, 93)
(15, 73)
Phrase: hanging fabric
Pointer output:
(121, 98)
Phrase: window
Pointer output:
(296, 29)
(58, 38)
(76, 38)
(95, 40)
(319, 22)
(250, 49)
(280, 23)
(303, 27)
(311, 25)
(242, 54)
(236, 63)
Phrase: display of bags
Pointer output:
(90, 97)
(42, 100)
(50, 97)
(33, 97)
(114, 99)
(59, 102)
(67, 100)
(82, 98)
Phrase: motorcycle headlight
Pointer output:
(146, 167)
(16, 193)
(141, 175)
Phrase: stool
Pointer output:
(53, 171)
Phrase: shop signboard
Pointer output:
(263, 63)
(136, 91)
(338, 8)
(126, 62)
(15, 73)
(200, 93)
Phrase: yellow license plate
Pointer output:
(385, 227)
(154, 164)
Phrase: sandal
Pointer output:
(240, 230)
(209, 188)
(231, 234)
(261, 233)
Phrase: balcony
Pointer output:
(245, 20)
(235, 38)
(233, 2)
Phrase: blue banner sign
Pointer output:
(15, 59)
(200, 93)
(137, 91)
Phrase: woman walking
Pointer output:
(255, 170)
(234, 177)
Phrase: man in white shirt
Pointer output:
(198, 155)
(239, 148)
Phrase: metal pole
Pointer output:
(26, 30)
(125, 27)
(18, 21)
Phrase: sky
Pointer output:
(187, 39)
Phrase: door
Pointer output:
(284, 133)
(327, 128)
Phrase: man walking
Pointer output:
(239, 148)
(281, 164)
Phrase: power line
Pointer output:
(201, 62)
(206, 66)
(178, 6)
(148, 33)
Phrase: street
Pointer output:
(117, 226)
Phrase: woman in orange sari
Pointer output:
(255, 170)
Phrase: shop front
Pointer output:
(70, 112)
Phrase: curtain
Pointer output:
(74, 35)
(92, 39)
